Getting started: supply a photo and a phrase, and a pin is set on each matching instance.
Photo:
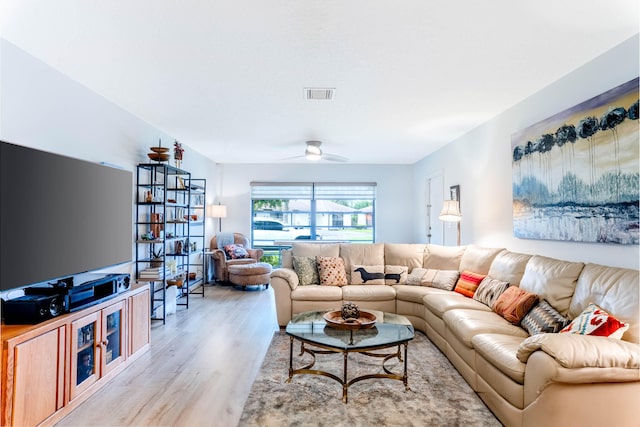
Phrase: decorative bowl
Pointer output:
(159, 149)
(175, 282)
(159, 157)
(365, 321)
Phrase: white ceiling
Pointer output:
(226, 77)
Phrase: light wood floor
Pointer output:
(199, 370)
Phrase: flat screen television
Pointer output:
(60, 216)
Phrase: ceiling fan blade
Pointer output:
(334, 158)
(293, 158)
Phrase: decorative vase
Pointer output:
(349, 311)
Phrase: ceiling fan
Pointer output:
(313, 152)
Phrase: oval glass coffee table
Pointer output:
(390, 330)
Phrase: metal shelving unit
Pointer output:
(165, 217)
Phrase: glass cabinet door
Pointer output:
(113, 337)
(85, 335)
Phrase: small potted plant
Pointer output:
(156, 256)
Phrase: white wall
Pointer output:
(44, 109)
(41, 108)
(480, 162)
(394, 215)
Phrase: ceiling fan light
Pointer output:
(310, 155)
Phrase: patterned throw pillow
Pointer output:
(367, 274)
(395, 274)
(235, 251)
(468, 283)
(543, 319)
(415, 276)
(489, 290)
(306, 269)
(595, 321)
(440, 279)
(331, 271)
(514, 304)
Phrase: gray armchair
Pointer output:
(221, 262)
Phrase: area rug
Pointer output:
(438, 395)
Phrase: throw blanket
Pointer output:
(224, 239)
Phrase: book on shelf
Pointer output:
(155, 273)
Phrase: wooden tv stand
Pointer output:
(50, 368)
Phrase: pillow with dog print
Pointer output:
(367, 274)
(395, 274)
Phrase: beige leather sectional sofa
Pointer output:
(545, 379)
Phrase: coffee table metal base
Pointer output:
(347, 383)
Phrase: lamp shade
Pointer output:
(217, 211)
(450, 211)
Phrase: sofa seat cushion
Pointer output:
(416, 293)
(368, 293)
(317, 293)
(465, 324)
(439, 304)
(501, 351)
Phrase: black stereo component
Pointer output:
(44, 301)
(32, 309)
(90, 289)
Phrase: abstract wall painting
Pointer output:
(576, 174)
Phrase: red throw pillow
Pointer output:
(514, 304)
(595, 321)
(468, 283)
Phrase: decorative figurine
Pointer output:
(177, 153)
(350, 311)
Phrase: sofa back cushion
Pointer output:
(509, 267)
(406, 254)
(361, 254)
(478, 259)
(315, 249)
(613, 289)
(286, 258)
(443, 257)
(552, 279)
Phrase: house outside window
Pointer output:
(331, 212)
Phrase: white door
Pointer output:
(435, 198)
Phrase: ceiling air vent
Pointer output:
(319, 93)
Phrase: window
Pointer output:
(338, 212)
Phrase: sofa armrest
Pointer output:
(255, 253)
(582, 351)
(218, 255)
(288, 275)
(283, 282)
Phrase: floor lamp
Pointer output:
(217, 211)
(451, 213)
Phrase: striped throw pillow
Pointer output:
(543, 319)
(489, 291)
(468, 283)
